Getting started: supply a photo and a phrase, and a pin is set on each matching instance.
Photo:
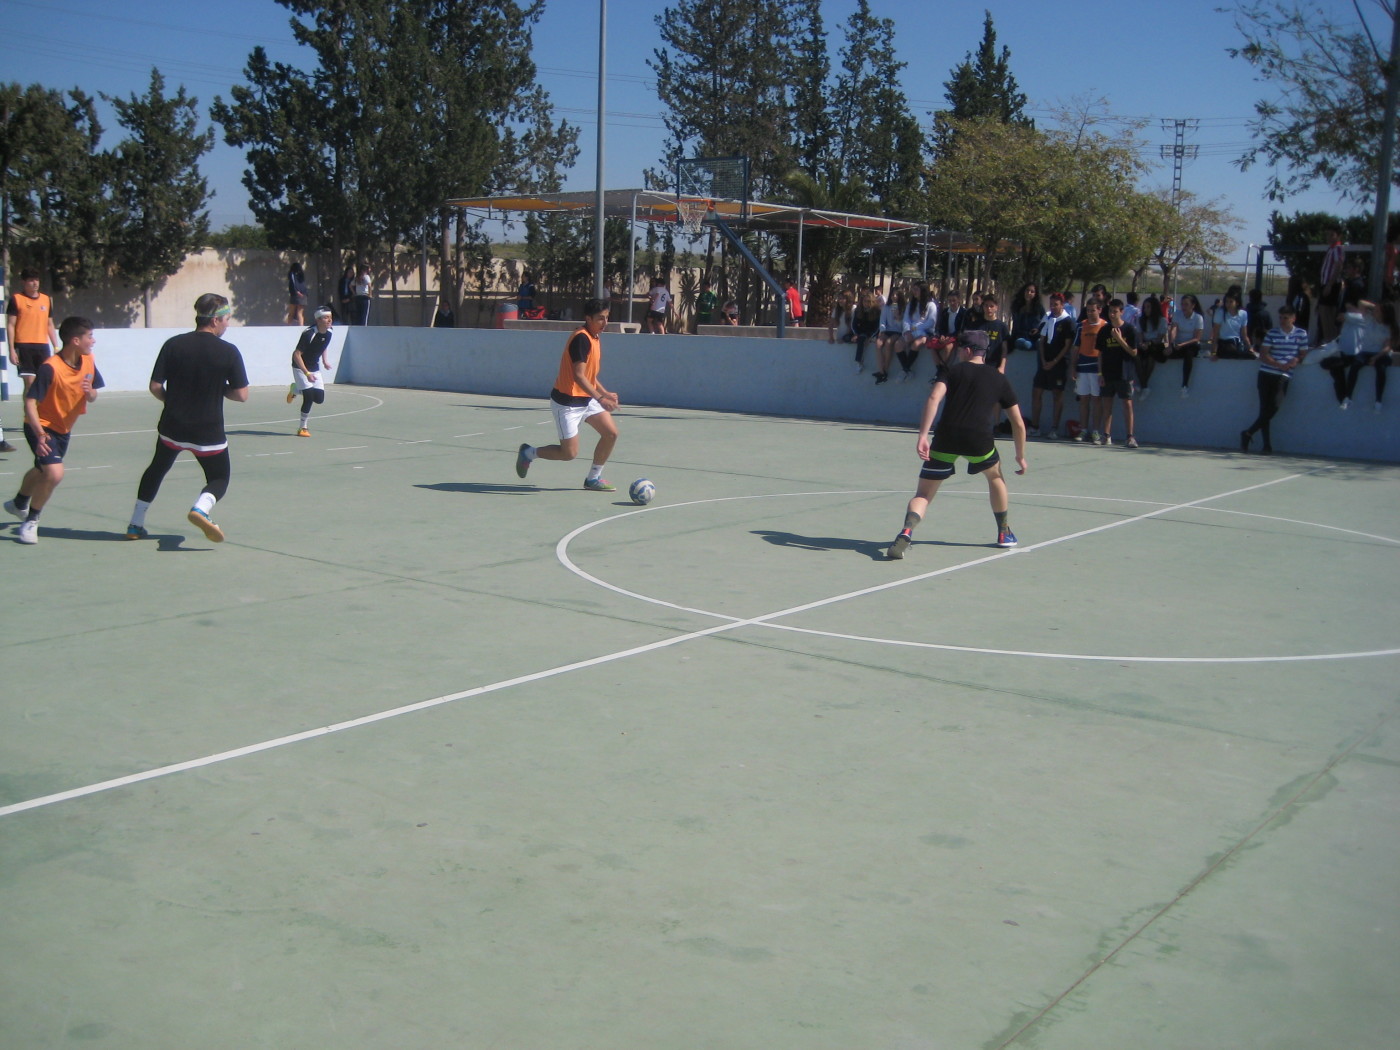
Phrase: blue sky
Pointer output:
(1144, 63)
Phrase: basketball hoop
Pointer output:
(691, 212)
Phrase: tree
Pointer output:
(409, 102)
(1326, 124)
(1303, 229)
(1194, 231)
(867, 98)
(811, 111)
(980, 89)
(826, 250)
(52, 183)
(158, 194)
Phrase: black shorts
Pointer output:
(1119, 388)
(655, 315)
(1051, 378)
(940, 466)
(58, 445)
(29, 356)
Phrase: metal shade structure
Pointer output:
(639, 205)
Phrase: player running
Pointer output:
(63, 386)
(306, 367)
(578, 397)
(973, 390)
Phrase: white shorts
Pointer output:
(299, 378)
(567, 418)
(1086, 384)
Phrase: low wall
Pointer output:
(812, 379)
(783, 377)
(125, 355)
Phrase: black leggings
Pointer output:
(1346, 369)
(1272, 390)
(217, 469)
(311, 396)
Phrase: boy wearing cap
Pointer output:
(973, 390)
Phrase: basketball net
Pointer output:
(692, 211)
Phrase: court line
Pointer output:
(578, 665)
(378, 403)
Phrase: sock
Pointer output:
(1001, 518)
(531, 453)
(205, 504)
(304, 417)
(21, 501)
(138, 513)
(911, 520)
(33, 514)
(595, 472)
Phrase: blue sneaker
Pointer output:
(522, 465)
(599, 485)
(206, 526)
(136, 532)
(1005, 537)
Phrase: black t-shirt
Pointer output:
(998, 339)
(1111, 355)
(974, 392)
(312, 345)
(197, 368)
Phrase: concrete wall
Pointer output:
(782, 377)
(815, 380)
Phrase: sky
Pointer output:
(1144, 65)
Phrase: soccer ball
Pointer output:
(642, 491)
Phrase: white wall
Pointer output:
(781, 377)
(815, 380)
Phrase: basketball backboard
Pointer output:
(715, 178)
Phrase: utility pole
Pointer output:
(1179, 153)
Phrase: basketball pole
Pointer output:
(602, 97)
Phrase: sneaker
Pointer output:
(1142, 394)
(599, 485)
(303, 433)
(1245, 437)
(1185, 393)
(1105, 440)
(1346, 404)
(1095, 438)
(522, 465)
(906, 377)
(1052, 435)
(1079, 436)
(136, 532)
(859, 368)
(210, 530)
(28, 532)
(899, 546)
(1377, 408)
(880, 377)
(20, 514)
(1006, 538)
(1131, 442)
(5, 446)
(291, 393)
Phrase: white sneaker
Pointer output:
(1184, 393)
(22, 514)
(1378, 407)
(859, 368)
(1142, 394)
(28, 532)
(1346, 404)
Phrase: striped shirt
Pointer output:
(1284, 348)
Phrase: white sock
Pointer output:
(595, 472)
(304, 417)
(531, 453)
(205, 504)
(138, 513)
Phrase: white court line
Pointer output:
(476, 435)
(345, 448)
(378, 403)
(554, 672)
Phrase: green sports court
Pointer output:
(428, 756)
